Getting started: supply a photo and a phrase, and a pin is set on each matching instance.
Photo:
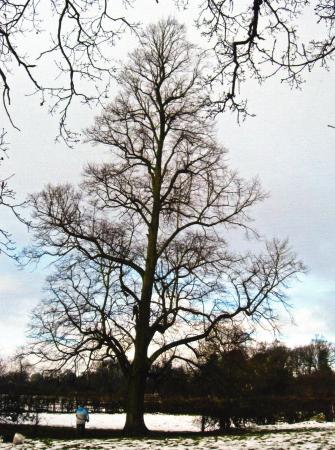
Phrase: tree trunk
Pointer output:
(138, 375)
(135, 396)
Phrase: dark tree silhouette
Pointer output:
(144, 263)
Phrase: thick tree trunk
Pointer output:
(135, 405)
(136, 389)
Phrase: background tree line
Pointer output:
(243, 382)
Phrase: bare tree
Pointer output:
(144, 266)
(223, 338)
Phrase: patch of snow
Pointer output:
(301, 440)
(294, 426)
(299, 436)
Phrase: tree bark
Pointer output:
(135, 396)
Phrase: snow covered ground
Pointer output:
(162, 422)
(303, 436)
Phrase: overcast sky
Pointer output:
(287, 144)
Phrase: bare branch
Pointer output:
(75, 38)
(259, 39)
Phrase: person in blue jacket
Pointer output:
(82, 417)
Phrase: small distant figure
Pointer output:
(82, 417)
